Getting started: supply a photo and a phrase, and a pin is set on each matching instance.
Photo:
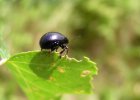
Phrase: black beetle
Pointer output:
(54, 40)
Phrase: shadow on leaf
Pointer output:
(44, 63)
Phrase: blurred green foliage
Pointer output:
(105, 30)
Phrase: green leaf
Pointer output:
(46, 76)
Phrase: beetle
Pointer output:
(54, 40)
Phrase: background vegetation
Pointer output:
(107, 31)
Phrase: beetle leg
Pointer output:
(62, 52)
(52, 49)
(66, 48)
(56, 49)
